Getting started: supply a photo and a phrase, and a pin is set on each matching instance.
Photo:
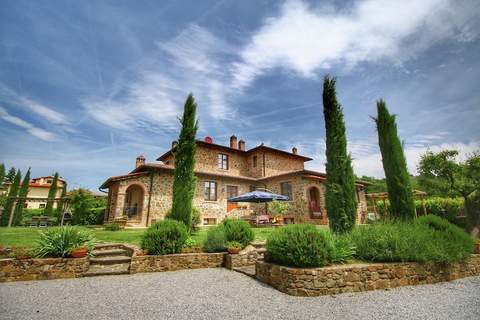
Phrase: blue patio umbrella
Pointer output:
(259, 196)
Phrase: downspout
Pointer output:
(149, 197)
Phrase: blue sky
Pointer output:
(86, 86)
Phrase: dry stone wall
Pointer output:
(360, 277)
(174, 262)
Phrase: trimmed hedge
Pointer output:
(238, 231)
(300, 245)
(215, 240)
(164, 237)
(430, 239)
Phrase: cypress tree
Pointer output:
(12, 194)
(400, 194)
(2, 173)
(340, 186)
(184, 183)
(11, 174)
(59, 210)
(51, 196)
(22, 194)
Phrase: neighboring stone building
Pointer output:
(145, 194)
(38, 191)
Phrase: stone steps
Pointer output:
(109, 259)
(248, 270)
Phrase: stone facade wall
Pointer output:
(240, 260)
(361, 277)
(42, 269)
(174, 262)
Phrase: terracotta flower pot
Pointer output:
(477, 248)
(233, 250)
(79, 253)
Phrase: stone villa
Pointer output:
(145, 194)
(38, 191)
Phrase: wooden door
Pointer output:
(232, 191)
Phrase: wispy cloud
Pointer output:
(44, 111)
(30, 128)
(305, 39)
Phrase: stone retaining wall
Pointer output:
(42, 269)
(360, 277)
(174, 262)
(241, 260)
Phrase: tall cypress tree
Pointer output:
(394, 164)
(61, 203)
(51, 196)
(11, 174)
(340, 187)
(22, 194)
(184, 183)
(12, 194)
(2, 173)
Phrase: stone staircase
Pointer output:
(109, 259)
(249, 270)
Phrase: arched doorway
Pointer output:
(133, 202)
(314, 203)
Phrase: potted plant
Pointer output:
(233, 247)
(477, 247)
(80, 252)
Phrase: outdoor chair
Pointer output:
(34, 221)
(43, 221)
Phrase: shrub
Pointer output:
(190, 242)
(196, 218)
(300, 245)
(112, 227)
(472, 210)
(164, 237)
(344, 248)
(59, 242)
(239, 231)
(216, 240)
(415, 241)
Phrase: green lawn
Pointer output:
(25, 237)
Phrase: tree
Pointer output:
(52, 192)
(340, 186)
(12, 194)
(399, 187)
(441, 173)
(2, 173)
(86, 209)
(61, 203)
(184, 179)
(22, 194)
(10, 175)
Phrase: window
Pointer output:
(252, 188)
(210, 191)
(232, 191)
(254, 161)
(209, 221)
(223, 161)
(42, 205)
(286, 189)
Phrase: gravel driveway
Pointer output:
(223, 294)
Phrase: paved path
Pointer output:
(223, 294)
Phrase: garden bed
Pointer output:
(42, 269)
(173, 262)
(361, 277)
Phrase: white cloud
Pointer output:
(30, 128)
(306, 39)
(44, 111)
(155, 95)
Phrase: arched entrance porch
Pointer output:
(133, 207)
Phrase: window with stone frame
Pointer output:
(222, 161)
(252, 188)
(286, 189)
(210, 191)
(254, 161)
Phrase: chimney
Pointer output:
(241, 145)
(233, 142)
(294, 150)
(174, 143)
(139, 161)
(208, 139)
